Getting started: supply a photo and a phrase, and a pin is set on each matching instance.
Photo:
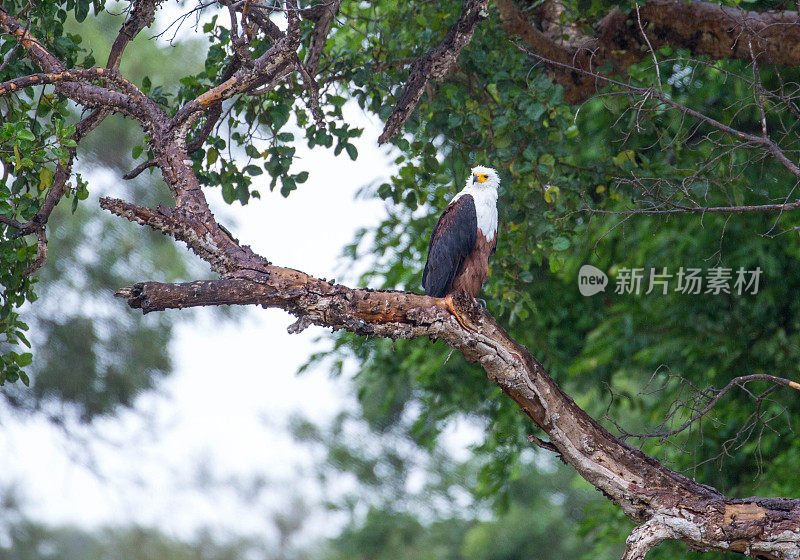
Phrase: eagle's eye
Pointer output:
(480, 177)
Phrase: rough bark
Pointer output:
(323, 15)
(704, 28)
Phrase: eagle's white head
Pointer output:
(483, 179)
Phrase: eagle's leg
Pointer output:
(449, 306)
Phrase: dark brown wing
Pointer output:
(452, 240)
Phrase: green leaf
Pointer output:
(45, 178)
(547, 160)
(625, 156)
(243, 194)
(571, 132)
(561, 244)
(251, 151)
(556, 262)
(351, 151)
(24, 359)
(288, 185)
(228, 193)
(81, 10)
(26, 134)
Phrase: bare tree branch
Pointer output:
(52, 78)
(648, 535)
(323, 15)
(142, 14)
(710, 397)
(41, 252)
(136, 171)
(434, 65)
(312, 90)
(128, 101)
(671, 208)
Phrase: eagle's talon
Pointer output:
(449, 306)
(481, 302)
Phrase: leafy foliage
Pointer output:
(87, 355)
(643, 351)
(34, 137)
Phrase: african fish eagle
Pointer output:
(463, 239)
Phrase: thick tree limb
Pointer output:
(41, 253)
(212, 116)
(674, 506)
(646, 536)
(313, 301)
(702, 27)
(312, 91)
(205, 239)
(434, 65)
(323, 15)
(54, 78)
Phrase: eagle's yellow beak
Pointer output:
(480, 178)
